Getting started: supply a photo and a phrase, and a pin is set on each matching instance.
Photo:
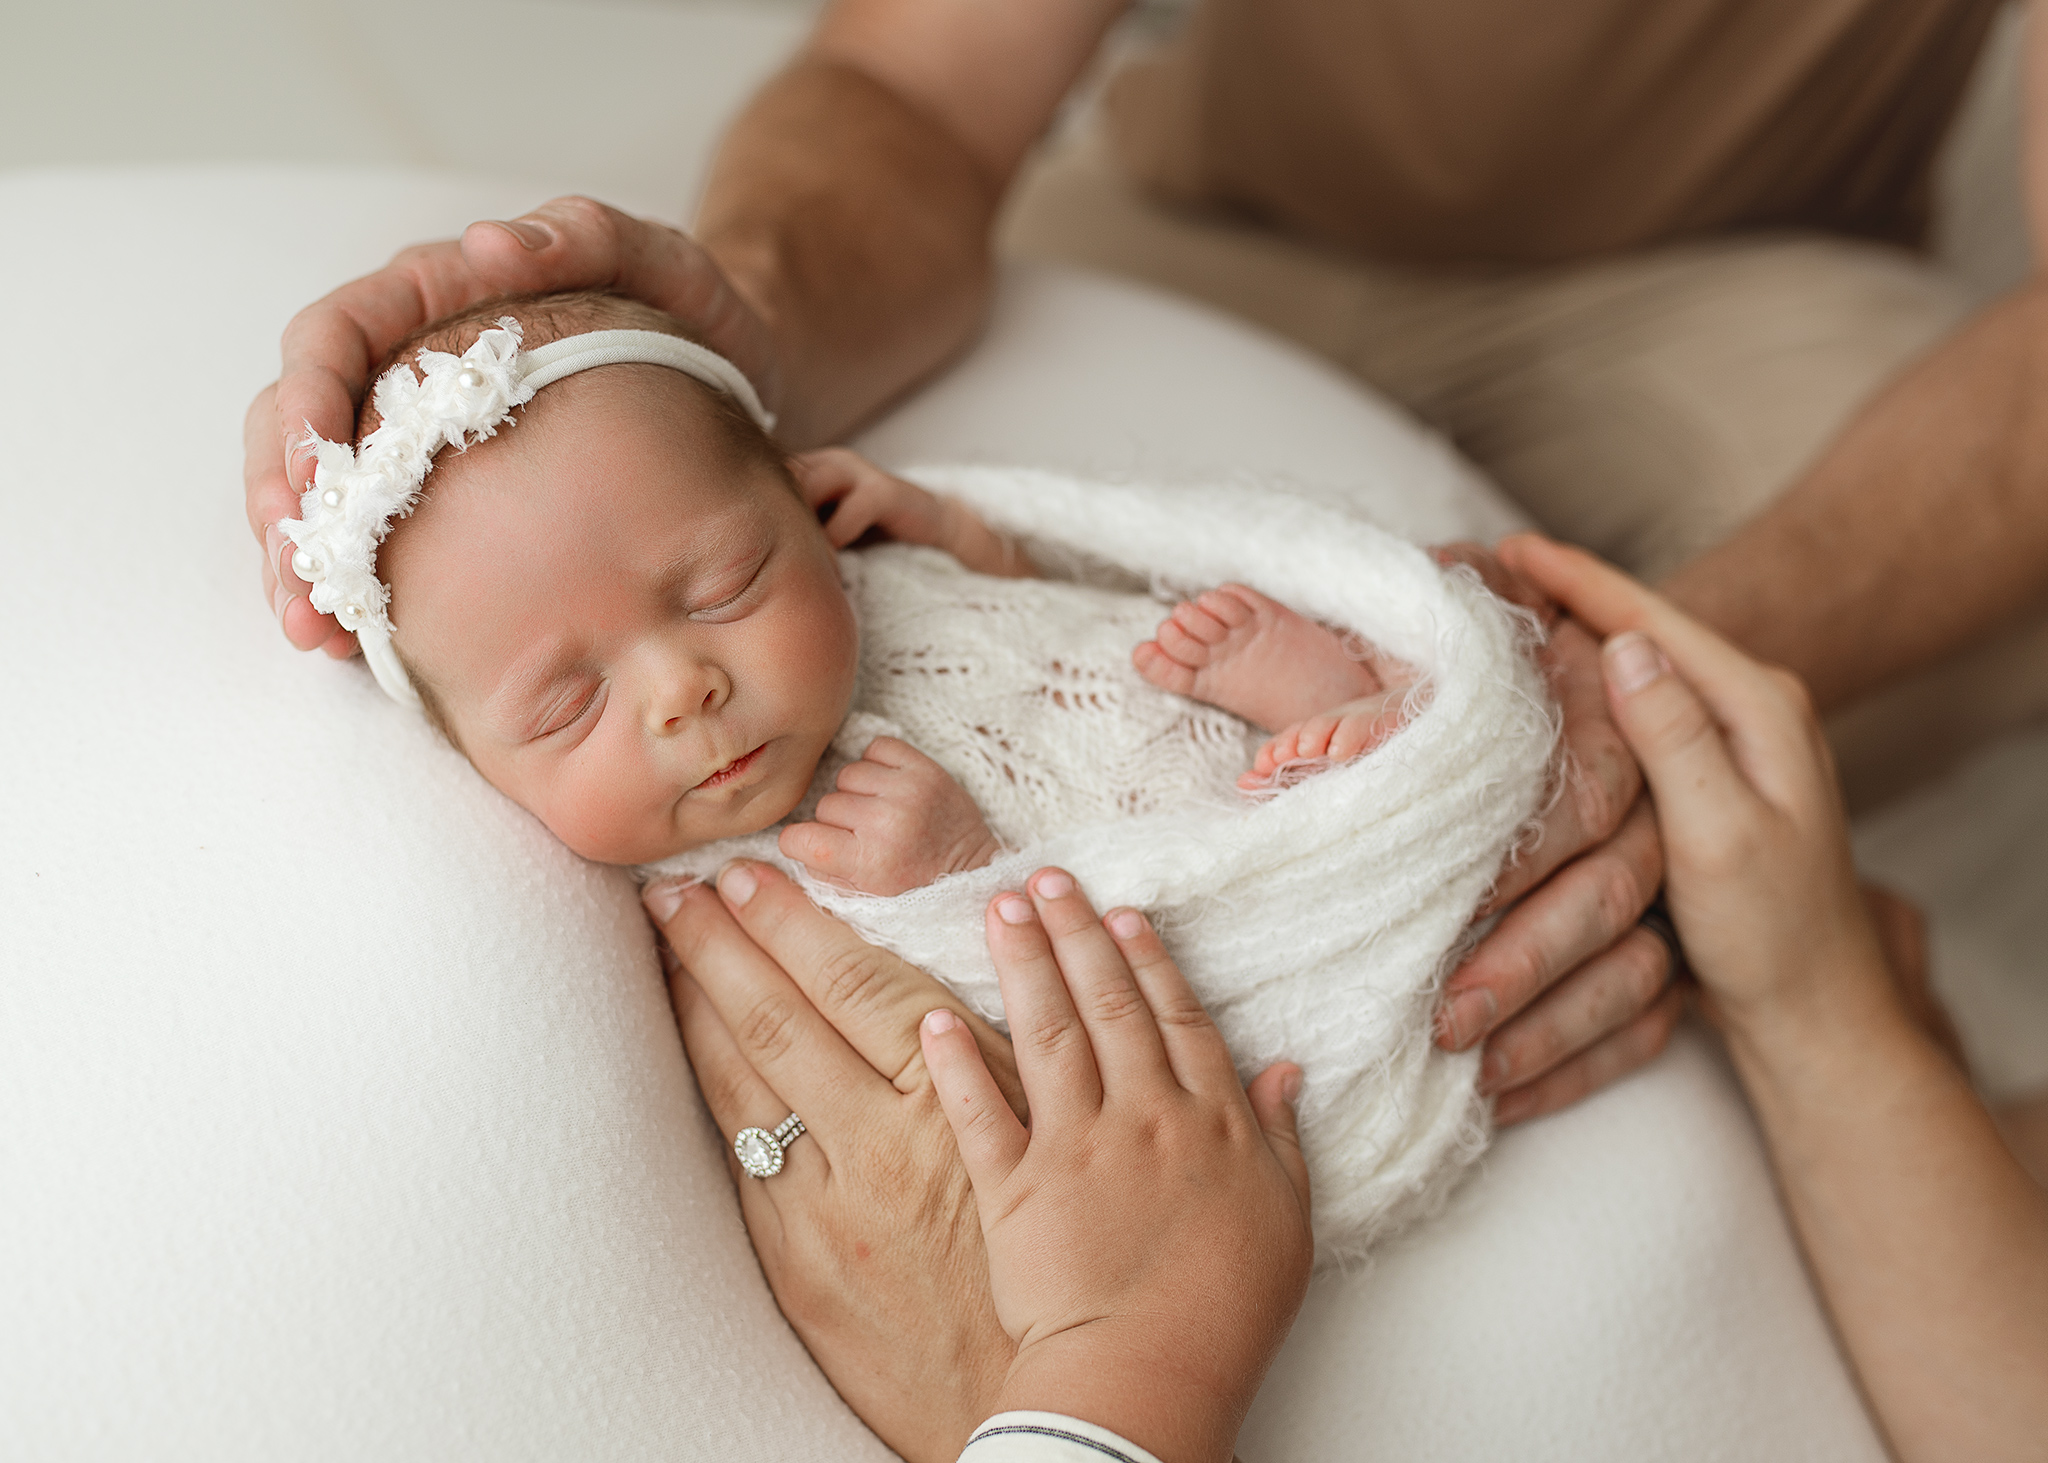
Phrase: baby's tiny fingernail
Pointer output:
(737, 883)
(532, 234)
(1053, 884)
(1014, 909)
(663, 900)
(1633, 662)
(939, 1022)
(1466, 1016)
(1126, 924)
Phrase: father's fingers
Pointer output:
(577, 243)
(1588, 906)
(332, 345)
(1609, 1061)
(1592, 1003)
(872, 998)
(1601, 779)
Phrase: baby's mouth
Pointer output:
(735, 768)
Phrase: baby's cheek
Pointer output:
(597, 818)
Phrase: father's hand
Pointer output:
(869, 1237)
(331, 347)
(1570, 991)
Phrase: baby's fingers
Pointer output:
(826, 851)
(990, 1138)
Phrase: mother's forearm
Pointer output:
(1929, 1243)
(1923, 528)
(858, 227)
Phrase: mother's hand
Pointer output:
(869, 1236)
(331, 347)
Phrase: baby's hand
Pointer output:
(864, 497)
(1337, 735)
(898, 821)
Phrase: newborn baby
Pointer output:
(627, 615)
(626, 612)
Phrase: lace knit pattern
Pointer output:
(1315, 923)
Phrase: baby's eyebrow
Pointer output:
(510, 705)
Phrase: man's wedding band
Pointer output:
(1657, 920)
(760, 1151)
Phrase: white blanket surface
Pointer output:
(1316, 922)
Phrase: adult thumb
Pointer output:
(1272, 1094)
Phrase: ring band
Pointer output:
(1657, 920)
(760, 1151)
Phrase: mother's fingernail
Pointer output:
(1052, 884)
(939, 1022)
(737, 883)
(1465, 1017)
(1633, 662)
(663, 900)
(1290, 1087)
(1014, 909)
(530, 233)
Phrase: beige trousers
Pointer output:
(1643, 406)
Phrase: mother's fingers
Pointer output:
(1610, 602)
(778, 1032)
(1694, 779)
(872, 998)
(733, 1091)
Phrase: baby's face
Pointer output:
(640, 642)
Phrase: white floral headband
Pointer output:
(356, 493)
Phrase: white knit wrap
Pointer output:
(358, 493)
(1317, 923)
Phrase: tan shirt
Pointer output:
(1536, 130)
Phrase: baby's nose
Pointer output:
(693, 692)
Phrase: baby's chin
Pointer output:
(632, 848)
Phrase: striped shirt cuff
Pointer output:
(1047, 1437)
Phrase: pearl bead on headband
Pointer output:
(356, 493)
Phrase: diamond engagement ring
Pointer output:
(760, 1151)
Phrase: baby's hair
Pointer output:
(546, 318)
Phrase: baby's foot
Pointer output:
(1328, 737)
(1234, 648)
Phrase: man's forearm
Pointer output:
(1922, 528)
(858, 227)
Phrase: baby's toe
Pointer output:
(1153, 662)
(1233, 605)
(1184, 645)
(1199, 624)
